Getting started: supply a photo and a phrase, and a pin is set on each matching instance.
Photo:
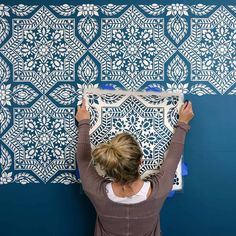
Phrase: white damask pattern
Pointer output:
(50, 54)
(211, 49)
(20, 95)
(43, 49)
(150, 117)
(43, 139)
(132, 49)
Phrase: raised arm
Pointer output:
(167, 171)
(88, 174)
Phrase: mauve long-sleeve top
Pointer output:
(117, 219)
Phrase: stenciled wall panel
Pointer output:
(50, 53)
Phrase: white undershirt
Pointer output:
(138, 197)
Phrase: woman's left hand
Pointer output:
(82, 112)
(186, 112)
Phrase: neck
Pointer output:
(130, 189)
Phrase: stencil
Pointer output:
(149, 117)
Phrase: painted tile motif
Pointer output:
(50, 54)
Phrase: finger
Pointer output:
(186, 103)
(83, 103)
(182, 107)
(80, 104)
(190, 108)
(189, 105)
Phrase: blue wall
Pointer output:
(206, 206)
(45, 210)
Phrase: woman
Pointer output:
(128, 205)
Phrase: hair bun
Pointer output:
(120, 158)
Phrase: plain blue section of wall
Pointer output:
(45, 210)
(207, 205)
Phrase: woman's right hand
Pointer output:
(82, 112)
(186, 112)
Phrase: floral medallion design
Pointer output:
(132, 49)
(43, 49)
(43, 139)
(148, 117)
(211, 49)
(20, 95)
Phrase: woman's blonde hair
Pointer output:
(120, 158)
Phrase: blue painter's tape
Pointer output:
(171, 194)
(153, 89)
(77, 173)
(106, 86)
(184, 169)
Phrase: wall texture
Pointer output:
(194, 52)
